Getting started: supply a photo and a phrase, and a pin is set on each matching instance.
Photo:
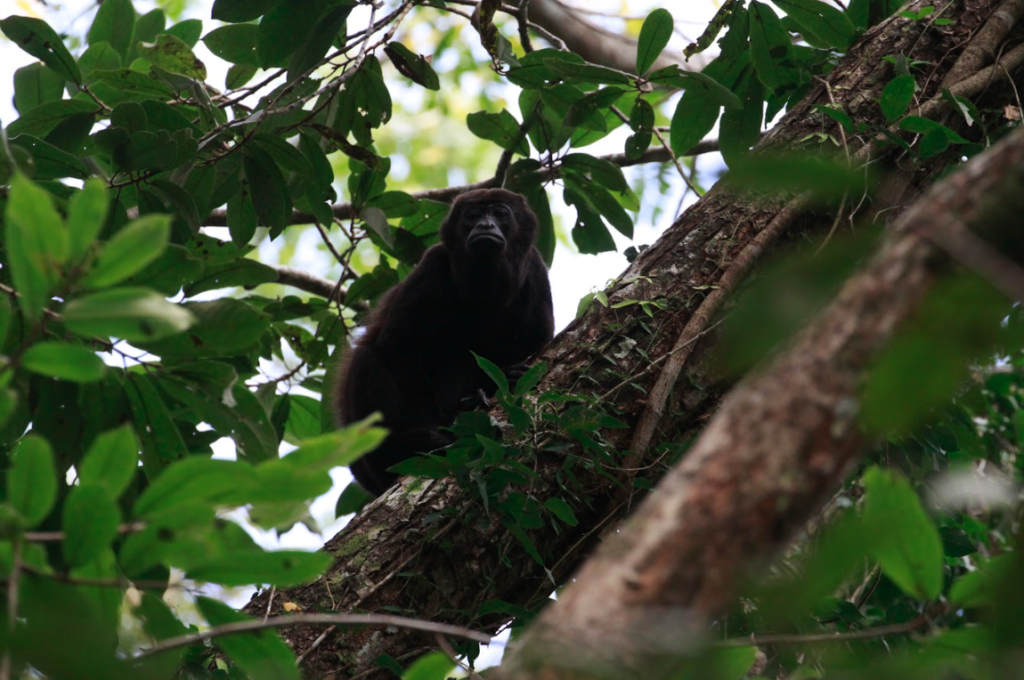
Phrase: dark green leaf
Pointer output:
(412, 66)
(500, 128)
(47, 116)
(769, 44)
(352, 499)
(493, 372)
(562, 510)
(235, 43)
(572, 72)
(897, 97)
(654, 36)
(50, 161)
(822, 20)
(37, 38)
(238, 11)
(268, 189)
(115, 25)
(36, 84)
(242, 272)
(313, 49)
(160, 438)
(530, 379)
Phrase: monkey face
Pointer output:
(486, 226)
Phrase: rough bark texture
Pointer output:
(427, 549)
(775, 451)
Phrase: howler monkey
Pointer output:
(484, 288)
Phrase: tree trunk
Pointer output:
(429, 549)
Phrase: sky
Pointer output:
(572, 275)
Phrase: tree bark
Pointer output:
(429, 550)
(773, 454)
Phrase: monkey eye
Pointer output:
(473, 213)
(502, 212)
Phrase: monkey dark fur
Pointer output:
(484, 288)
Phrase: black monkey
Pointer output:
(484, 288)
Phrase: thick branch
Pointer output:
(791, 433)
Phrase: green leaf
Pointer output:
(238, 11)
(574, 73)
(315, 47)
(531, 378)
(822, 20)
(99, 57)
(267, 188)
(115, 25)
(897, 97)
(188, 31)
(5, 322)
(235, 43)
(412, 66)
(562, 510)
(36, 244)
(283, 29)
(51, 162)
(352, 499)
(433, 666)
(132, 248)
(64, 361)
(493, 372)
(281, 568)
(242, 272)
(32, 480)
(904, 540)
(981, 587)
(45, 117)
(87, 212)
(500, 128)
(34, 85)
(769, 44)
(160, 438)
(37, 38)
(223, 327)
(111, 460)
(261, 655)
(91, 518)
(195, 480)
(923, 126)
(654, 36)
(173, 54)
(133, 314)
(740, 130)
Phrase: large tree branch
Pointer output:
(774, 453)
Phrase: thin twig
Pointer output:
(312, 620)
(871, 633)
(12, 605)
(56, 536)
